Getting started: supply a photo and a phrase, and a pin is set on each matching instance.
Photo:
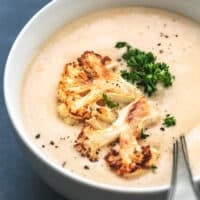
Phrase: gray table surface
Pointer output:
(17, 180)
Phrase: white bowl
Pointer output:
(37, 30)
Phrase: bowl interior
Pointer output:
(38, 29)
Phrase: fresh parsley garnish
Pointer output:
(121, 45)
(108, 102)
(169, 121)
(144, 71)
(154, 167)
(143, 135)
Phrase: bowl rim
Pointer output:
(20, 132)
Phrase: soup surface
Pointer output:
(174, 39)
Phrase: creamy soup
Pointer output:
(174, 39)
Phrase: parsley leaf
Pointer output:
(169, 121)
(108, 102)
(154, 167)
(120, 45)
(143, 135)
(144, 71)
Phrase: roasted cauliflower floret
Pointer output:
(131, 120)
(131, 158)
(82, 86)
